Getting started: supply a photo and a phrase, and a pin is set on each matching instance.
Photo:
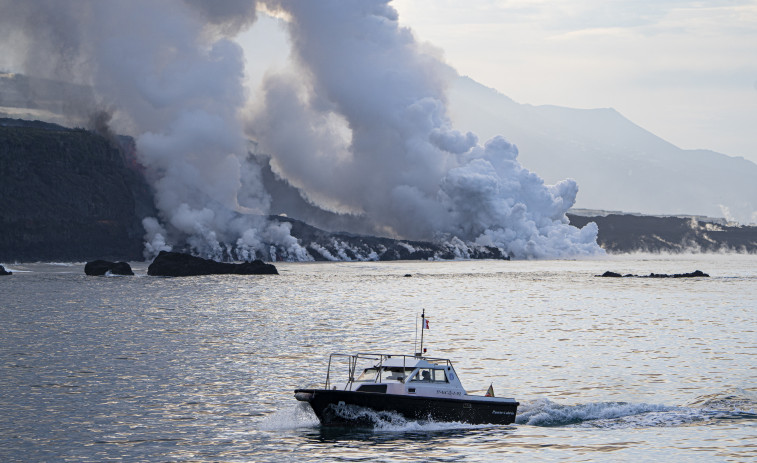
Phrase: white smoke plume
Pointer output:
(358, 125)
(173, 77)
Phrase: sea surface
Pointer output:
(203, 368)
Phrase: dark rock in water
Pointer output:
(4, 272)
(101, 267)
(121, 268)
(611, 274)
(176, 264)
(408, 275)
(694, 274)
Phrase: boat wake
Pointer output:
(298, 416)
(732, 405)
(710, 409)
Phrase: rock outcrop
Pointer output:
(694, 274)
(4, 272)
(101, 267)
(176, 264)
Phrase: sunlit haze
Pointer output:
(684, 70)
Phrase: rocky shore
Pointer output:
(73, 195)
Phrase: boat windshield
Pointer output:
(387, 374)
(369, 374)
(396, 373)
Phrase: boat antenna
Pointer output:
(415, 343)
(423, 327)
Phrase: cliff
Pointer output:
(68, 195)
(619, 233)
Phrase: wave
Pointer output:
(736, 399)
(544, 412)
(731, 405)
(298, 416)
(15, 270)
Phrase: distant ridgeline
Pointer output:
(619, 233)
(75, 195)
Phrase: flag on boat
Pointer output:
(490, 391)
(425, 322)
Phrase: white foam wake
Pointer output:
(544, 412)
(298, 416)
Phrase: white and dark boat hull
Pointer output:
(472, 410)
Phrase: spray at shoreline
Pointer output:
(358, 124)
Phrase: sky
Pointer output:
(684, 70)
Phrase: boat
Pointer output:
(416, 387)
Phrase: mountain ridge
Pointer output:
(618, 164)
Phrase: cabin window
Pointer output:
(395, 373)
(439, 376)
(387, 374)
(430, 375)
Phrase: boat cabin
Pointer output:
(397, 374)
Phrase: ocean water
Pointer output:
(203, 368)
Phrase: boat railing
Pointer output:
(352, 360)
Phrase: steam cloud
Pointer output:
(358, 125)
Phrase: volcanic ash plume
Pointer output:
(172, 77)
(360, 124)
